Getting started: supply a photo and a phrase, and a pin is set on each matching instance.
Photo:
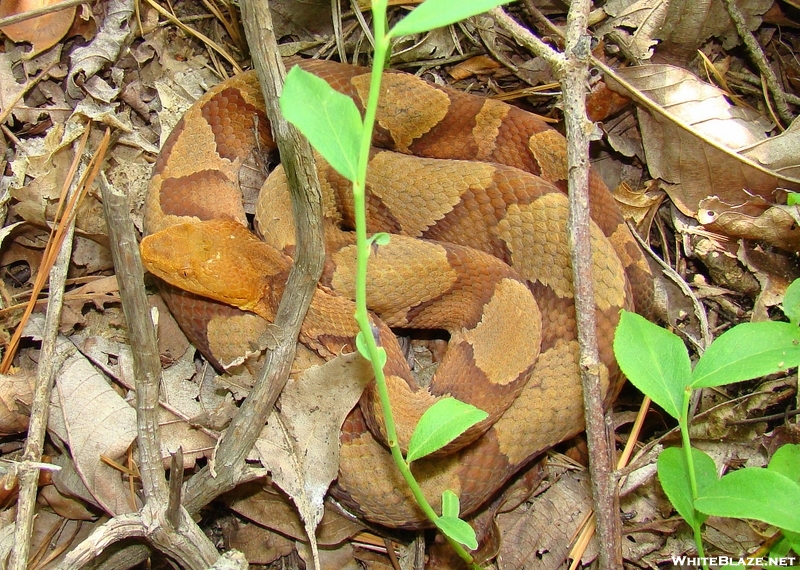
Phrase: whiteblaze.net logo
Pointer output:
(743, 561)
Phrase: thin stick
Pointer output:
(758, 57)
(572, 71)
(50, 359)
(205, 39)
(44, 10)
(245, 427)
(49, 255)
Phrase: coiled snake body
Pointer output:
(480, 249)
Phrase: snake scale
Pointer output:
(472, 190)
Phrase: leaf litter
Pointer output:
(726, 230)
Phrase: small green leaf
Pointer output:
(791, 302)
(380, 238)
(673, 474)
(654, 360)
(793, 538)
(780, 549)
(792, 199)
(329, 120)
(433, 14)
(458, 530)
(746, 351)
(361, 345)
(451, 525)
(786, 461)
(440, 424)
(754, 493)
(451, 507)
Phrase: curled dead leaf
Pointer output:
(776, 225)
(692, 138)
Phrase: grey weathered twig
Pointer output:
(758, 57)
(297, 159)
(50, 361)
(571, 68)
(172, 532)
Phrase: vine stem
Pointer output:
(382, 46)
(683, 423)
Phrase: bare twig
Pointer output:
(758, 57)
(35, 13)
(141, 335)
(172, 531)
(571, 68)
(306, 199)
(599, 427)
(189, 30)
(51, 357)
(67, 203)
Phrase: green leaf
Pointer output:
(361, 345)
(780, 549)
(786, 461)
(451, 507)
(793, 538)
(654, 360)
(754, 493)
(746, 351)
(380, 238)
(792, 199)
(458, 530)
(440, 424)
(673, 474)
(328, 119)
(433, 14)
(791, 302)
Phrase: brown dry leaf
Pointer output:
(774, 271)
(300, 446)
(307, 23)
(109, 430)
(269, 508)
(52, 535)
(178, 428)
(735, 535)
(66, 506)
(473, 66)
(716, 432)
(114, 35)
(69, 483)
(644, 18)
(43, 32)
(640, 206)
(686, 125)
(341, 557)
(779, 153)
(10, 89)
(100, 292)
(778, 226)
(259, 545)
(683, 25)
(436, 44)
(183, 395)
(723, 268)
(16, 395)
(539, 537)
(172, 343)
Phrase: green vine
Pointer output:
(333, 125)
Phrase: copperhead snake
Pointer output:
(477, 186)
